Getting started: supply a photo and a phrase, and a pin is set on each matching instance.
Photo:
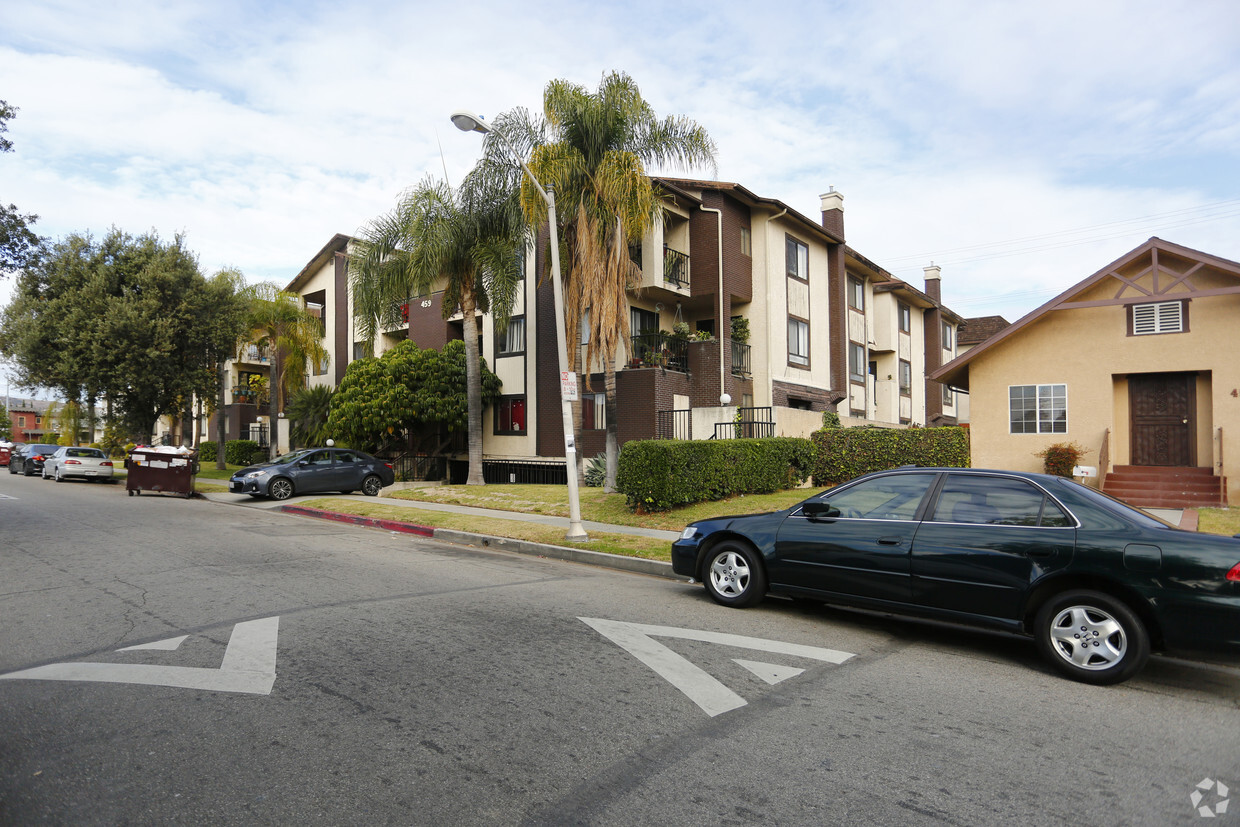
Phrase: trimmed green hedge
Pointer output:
(207, 451)
(243, 452)
(844, 453)
(657, 475)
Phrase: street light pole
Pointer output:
(468, 122)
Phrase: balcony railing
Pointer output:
(751, 423)
(674, 424)
(659, 350)
(252, 353)
(675, 267)
(740, 359)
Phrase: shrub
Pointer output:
(830, 419)
(239, 451)
(844, 453)
(1058, 459)
(596, 471)
(208, 451)
(656, 475)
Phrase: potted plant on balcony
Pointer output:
(740, 329)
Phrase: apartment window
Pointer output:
(1038, 409)
(949, 396)
(856, 293)
(361, 350)
(593, 412)
(1165, 317)
(906, 378)
(642, 322)
(510, 415)
(21, 422)
(746, 242)
(856, 362)
(798, 342)
(512, 341)
(906, 318)
(796, 257)
(320, 366)
(947, 336)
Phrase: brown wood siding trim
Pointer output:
(343, 340)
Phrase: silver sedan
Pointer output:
(86, 463)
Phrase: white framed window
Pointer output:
(1164, 317)
(746, 242)
(512, 341)
(593, 412)
(798, 341)
(1038, 409)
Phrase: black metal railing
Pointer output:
(675, 267)
(411, 467)
(740, 359)
(522, 471)
(751, 423)
(674, 424)
(659, 350)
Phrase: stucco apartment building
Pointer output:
(828, 329)
(1137, 364)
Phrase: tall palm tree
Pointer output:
(592, 148)
(279, 322)
(468, 241)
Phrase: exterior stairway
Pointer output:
(1160, 487)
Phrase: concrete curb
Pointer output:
(637, 565)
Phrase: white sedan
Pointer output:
(88, 463)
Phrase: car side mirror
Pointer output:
(820, 511)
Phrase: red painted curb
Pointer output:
(354, 519)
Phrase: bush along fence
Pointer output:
(657, 475)
(844, 453)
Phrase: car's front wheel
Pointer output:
(280, 489)
(733, 575)
(1091, 637)
(371, 486)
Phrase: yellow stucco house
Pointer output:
(1138, 363)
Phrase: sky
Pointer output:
(1020, 147)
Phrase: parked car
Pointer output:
(311, 470)
(1095, 582)
(7, 450)
(89, 464)
(30, 461)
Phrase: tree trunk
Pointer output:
(273, 393)
(221, 420)
(613, 442)
(473, 390)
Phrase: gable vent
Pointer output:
(1166, 317)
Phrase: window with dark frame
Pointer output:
(593, 412)
(796, 256)
(906, 318)
(856, 293)
(510, 415)
(1038, 409)
(798, 342)
(512, 341)
(856, 362)
(949, 396)
(906, 378)
(947, 336)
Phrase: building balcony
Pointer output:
(254, 355)
(741, 365)
(675, 268)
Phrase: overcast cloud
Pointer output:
(1020, 147)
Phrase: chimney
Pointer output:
(933, 289)
(833, 212)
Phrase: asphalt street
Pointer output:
(171, 661)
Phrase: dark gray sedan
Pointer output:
(314, 470)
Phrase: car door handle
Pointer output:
(890, 541)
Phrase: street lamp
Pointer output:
(469, 122)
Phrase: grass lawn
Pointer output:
(1219, 521)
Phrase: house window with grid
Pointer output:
(593, 412)
(510, 415)
(512, 341)
(798, 342)
(856, 362)
(856, 293)
(906, 378)
(796, 257)
(1164, 317)
(1038, 409)
(906, 318)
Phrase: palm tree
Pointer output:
(469, 242)
(279, 322)
(592, 148)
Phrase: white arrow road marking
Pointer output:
(169, 645)
(249, 665)
(772, 673)
(704, 690)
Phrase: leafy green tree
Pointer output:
(592, 148)
(470, 242)
(18, 243)
(307, 412)
(6, 424)
(279, 322)
(406, 395)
